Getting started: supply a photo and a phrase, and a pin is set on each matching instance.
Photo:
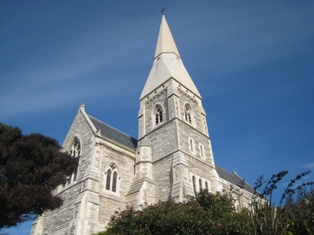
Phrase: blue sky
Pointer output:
(252, 61)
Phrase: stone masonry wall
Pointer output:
(186, 133)
(114, 201)
(163, 177)
(59, 220)
(163, 140)
(108, 206)
(83, 131)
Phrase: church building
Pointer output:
(171, 158)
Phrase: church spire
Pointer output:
(167, 64)
(165, 42)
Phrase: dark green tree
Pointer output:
(31, 166)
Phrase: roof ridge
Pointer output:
(234, 175)
(111, 126)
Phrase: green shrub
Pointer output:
(291, 216)
(205, 214)
(215, 214)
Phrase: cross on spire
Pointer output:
(163, 10)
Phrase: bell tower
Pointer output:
(174, 155)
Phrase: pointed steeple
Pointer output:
(167, 64)
(165, 43)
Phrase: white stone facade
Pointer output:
(172, 157)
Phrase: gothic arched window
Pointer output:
(75, 151)
(112, 178)
(158, 114)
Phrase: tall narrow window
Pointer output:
(114, 181)
(206, 185)
(200, 184)
(112, 178)
(191, 145)
(194, 183)
(108, 181)
(158, 115)
(202, 153)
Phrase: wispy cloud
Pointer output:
(309, 166)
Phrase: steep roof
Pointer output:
(114, 134)
(234, 179)
(167, 64)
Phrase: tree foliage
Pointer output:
(300, 213)
(293, 215)
(204, 214)
(31, 166)
(215, 214)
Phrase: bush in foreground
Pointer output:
(204, 214)
(215, 214)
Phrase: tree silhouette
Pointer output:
(31, 166)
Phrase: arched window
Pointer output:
(200, 184)
(206, 185)
(112, 178)
(75, 148)
(75, 151)
(187, 113)
(158, 114)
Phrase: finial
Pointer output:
(163, 10)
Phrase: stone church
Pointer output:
(171, 158)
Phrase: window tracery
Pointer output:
(112, 178)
